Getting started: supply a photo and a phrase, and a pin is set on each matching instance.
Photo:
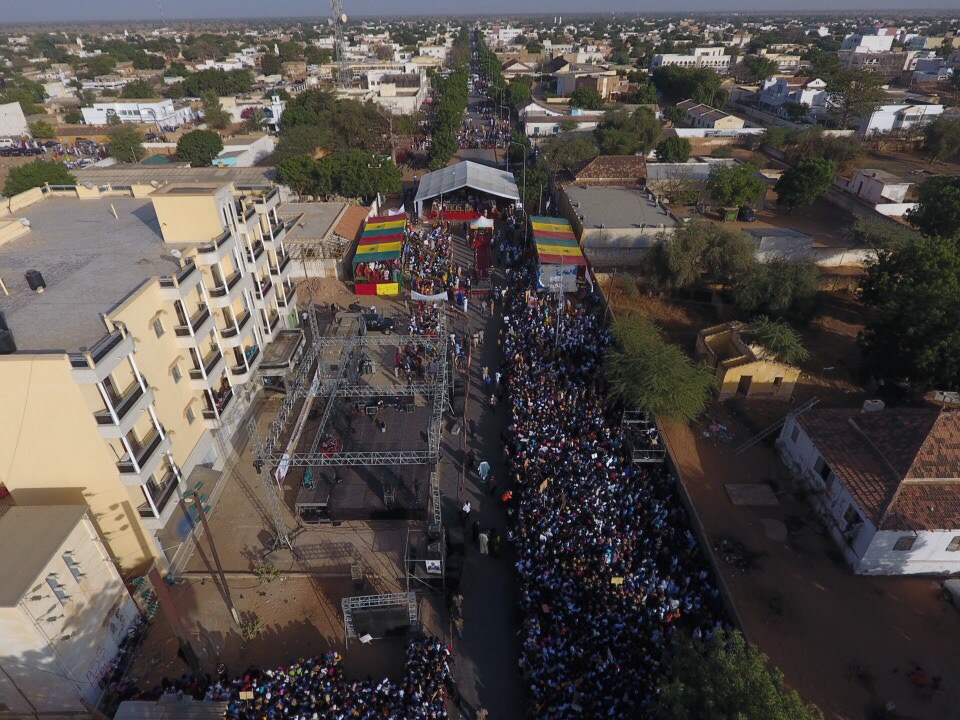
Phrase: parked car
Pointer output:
(378, 323)
(746, 214)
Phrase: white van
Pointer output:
(6, 142)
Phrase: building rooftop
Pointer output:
(89, 260)
(616, 207)
(314, 221)
(892, 461)
(29, 536)
(131, 174)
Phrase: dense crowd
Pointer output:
(428, 257)
(378, 271)
(318, 688)
(608, 566)
(488, 133)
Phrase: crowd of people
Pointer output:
(378, 271)
(608, 565)
(318, 688)
(489, 133)
(428, 257)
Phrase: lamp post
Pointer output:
(198, 503)
(523, 192)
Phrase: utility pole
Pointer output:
(173, 617)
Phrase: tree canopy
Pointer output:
(805, 182)
(778, 338)
(222, 82)
(625, 133)
(725, 678)
(271, 64)
(587, 98)
(348, 172)
(913, 331)
(854, 92)
(938, 207)
(126, 144)
(942, 137)
(735, 184)
(37, 174)
(761, 68)
(213, 113)
(138, 90)
(673, 150)
(199, 147)
(878, 234)
(778, 287)
(648, 374)
(698, 251)
(701, 85)
(566, 152)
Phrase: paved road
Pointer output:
(486, 668)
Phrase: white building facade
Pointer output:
(164, 113)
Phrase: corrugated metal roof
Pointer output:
(468, 174)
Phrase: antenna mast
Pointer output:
(339, 49)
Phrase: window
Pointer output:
(821, 468)
(57, 588)
(905, 542)
(158, 327)
(190, 415)
(72, 566)
(954, 544)
(176, 373)
(794, 434)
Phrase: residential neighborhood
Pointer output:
(600, 364)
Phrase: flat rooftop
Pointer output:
(30, 535)
(316, 219)
(131, 174)
(616, 207)
(89, 260)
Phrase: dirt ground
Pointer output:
(910, 166)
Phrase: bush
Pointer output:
(724, 151)
(37, 174)
(199, 147)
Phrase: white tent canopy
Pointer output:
(466, 174)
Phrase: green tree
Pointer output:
(941, 136)
(290, 51)
(698, 251)
(624, 133)
(42, 129)
(271, 64)
(213, 113)
(726, 678)
(315, 56)
(586, 98)
(795, 112)
(37, 174)
(778, 338)
(148, 61)
(567, 125)
(650, 375)
(674, 114)
(126, 144)
(113, 119)
(646, 94)
(913, 330)
(73, 117)
(100, 65)
(760, 68)
(673, 150)
(778, 287)
(938, 207)
(805, 182)
(199, 147)
(138, 89)
(300, 174)
(566, 152)
(536, 182)
(878, 234)
(735, 185)
(222, 82)
(854, 92)
(701, 85)
(356, 173)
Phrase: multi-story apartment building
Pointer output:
(137, 362)
(708, 57)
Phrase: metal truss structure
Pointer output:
(345, 384)
(349, 604)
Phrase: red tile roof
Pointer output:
(351, 222)
(897, 463)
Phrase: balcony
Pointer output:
(262, 288)
(199, 377)
(289, 296)
(273, 320)
(146, 459)
(283, 259)
(161, 499)
(220, 405)
(278, 231)
(221, 291)
(232, 332)
(174, 287)
(257, 252)
(242, 372)
(94, 364)
(195, 326)
(127, 409)
(270, 200)
(211, 252)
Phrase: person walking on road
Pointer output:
(465, 513)
(484, 470)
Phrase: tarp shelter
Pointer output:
(466, 174)
(558, 253)
(481, 223)
(381, 241)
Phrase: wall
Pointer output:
(99, 612)
(762, 385)
(929, 554)
(12, 121)
(856, 206)
(188, 218)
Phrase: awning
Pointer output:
(467, 174)
(482, 222)
(556, 244)
(382, 239)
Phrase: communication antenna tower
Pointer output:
(339, 45)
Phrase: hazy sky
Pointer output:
(66, 10)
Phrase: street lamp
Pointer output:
(197, 499)
(524, 183)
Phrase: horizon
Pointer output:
(173, 11)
